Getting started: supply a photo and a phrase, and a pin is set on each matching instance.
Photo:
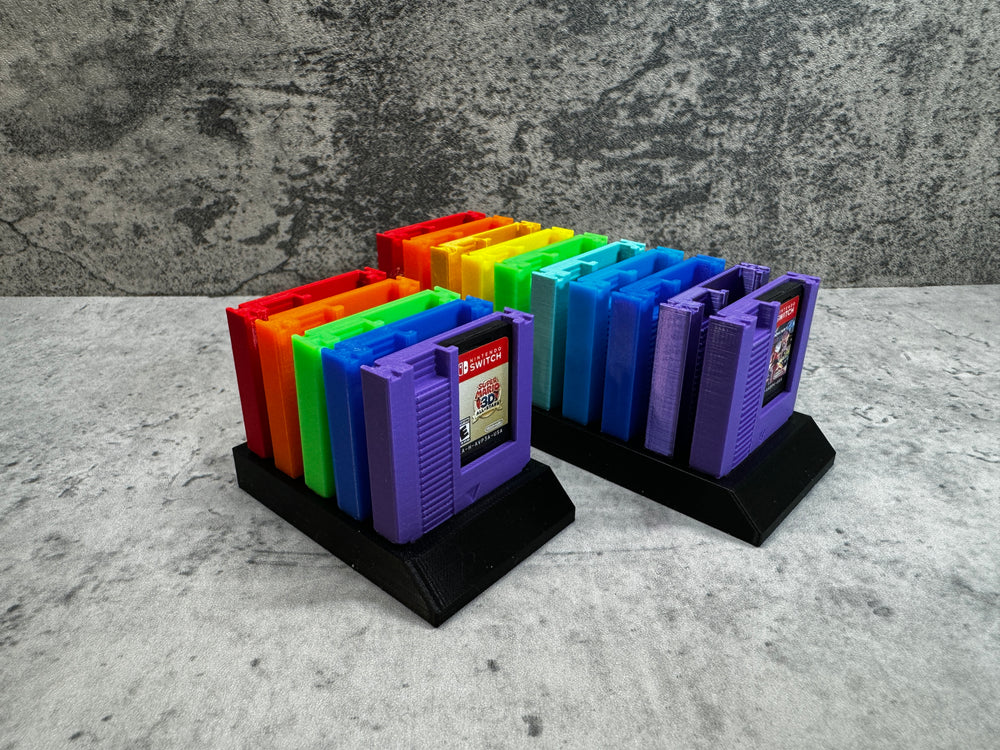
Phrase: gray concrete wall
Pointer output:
(237, 147)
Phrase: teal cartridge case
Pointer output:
(549, 304)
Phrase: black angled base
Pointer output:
(749, 503)
(446, 568)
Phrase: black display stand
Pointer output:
(446, 568)
(749, 503)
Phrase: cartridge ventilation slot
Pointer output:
(699, 359)
(756, 375)
(423, 368)
(434, 454)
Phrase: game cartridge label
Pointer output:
(483, 398)
(781, 348)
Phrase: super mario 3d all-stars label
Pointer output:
(483, 377)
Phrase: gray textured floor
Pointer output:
(147, 602)
(241, 146)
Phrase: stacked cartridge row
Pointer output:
(404, 393)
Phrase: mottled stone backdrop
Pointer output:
(240, 146)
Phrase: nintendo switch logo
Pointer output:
(463, 367)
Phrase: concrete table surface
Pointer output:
(145, 601)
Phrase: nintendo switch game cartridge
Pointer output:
(750, 375)
(314, 425)
(477, 266)
(344, 402)
(448, 420)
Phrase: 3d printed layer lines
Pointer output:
(356, 381)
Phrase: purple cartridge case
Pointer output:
(750, 375)
(680, 347)
(448, 420)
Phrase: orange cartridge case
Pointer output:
(417, 250)
(274, 337)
